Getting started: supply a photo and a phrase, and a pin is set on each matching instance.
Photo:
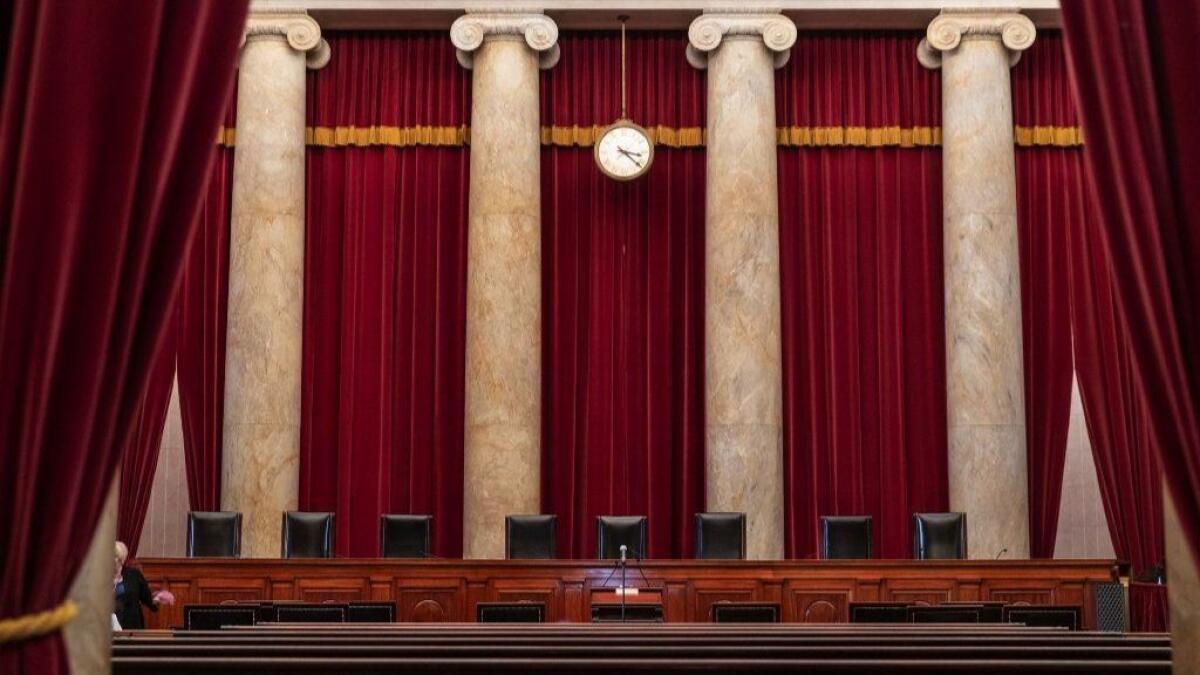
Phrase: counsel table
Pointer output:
(808, 591)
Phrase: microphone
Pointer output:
(624, 549)
(1002, 552)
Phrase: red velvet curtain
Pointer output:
(384, 300)
(1129, 473)
(1139, 104)
(861, 273)
(623, 300)
(1048, 207)
(102, 164)
(200, 316)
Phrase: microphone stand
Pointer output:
(624, 590)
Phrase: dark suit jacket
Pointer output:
(132, 593)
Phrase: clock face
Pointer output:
(624, 151)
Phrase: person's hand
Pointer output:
(164, 598)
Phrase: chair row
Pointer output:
(718, 536)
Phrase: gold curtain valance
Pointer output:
(671, 137)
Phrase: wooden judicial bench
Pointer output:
(808, 591)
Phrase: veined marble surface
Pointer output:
(743, 399)
(984, 365)
(503, 361)
(260, 471)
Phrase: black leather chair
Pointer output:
(721, 536)
(214, 617)
(214, 534)
(404, 536)
(307, 534)
(845, 537)
(612, 531)
(939, 536)
(530, 537)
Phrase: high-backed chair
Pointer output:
(612, 531)
(845, 537)
(530, 537)
(939, 536)
(307, 534)
(721, 536)
(214, 534)
(404, 535)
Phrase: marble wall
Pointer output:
(1082, 527)
(164, 532)
(88, 636)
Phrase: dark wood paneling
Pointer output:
(816, 591)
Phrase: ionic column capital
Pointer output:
(710, 28)
(539, 31)
(299, 29)
(953, 26)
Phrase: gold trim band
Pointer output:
(29, 626)
(671, 137)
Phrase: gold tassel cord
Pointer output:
(671, 137)
(29, 626)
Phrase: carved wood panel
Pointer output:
(333, 590)
(447, 590)
(703, 594)
(809, 605)
(430, 600)
(547, 591)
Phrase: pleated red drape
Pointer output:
(1047, 209)
(1067, 300)
(384, 305)
(861, 273)
(1139, 104)
(1129, 473)
(200, 316)
(102, 166)
(623, 300)
(139, 458)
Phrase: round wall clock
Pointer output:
(624, 150)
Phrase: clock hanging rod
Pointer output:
(623, 18)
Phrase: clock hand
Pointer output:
(629, 156)
(629, 152)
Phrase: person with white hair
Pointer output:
(132, 592)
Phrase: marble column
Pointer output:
(1183, 588)
(743, 388)
(502, 449)
(88, 636)
(259, 474)
(984, 367)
